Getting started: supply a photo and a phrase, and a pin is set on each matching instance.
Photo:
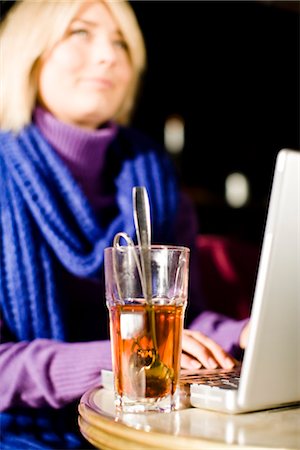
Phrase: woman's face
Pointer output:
(84, 79)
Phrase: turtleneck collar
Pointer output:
(84, 152)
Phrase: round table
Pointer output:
(185, 429)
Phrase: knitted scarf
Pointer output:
(46, 221)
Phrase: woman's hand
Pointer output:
(244, 336)
(199, 350)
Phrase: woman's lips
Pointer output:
(97, 82)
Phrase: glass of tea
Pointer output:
(146, 295)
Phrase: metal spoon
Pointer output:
(142, 221)
(151, 366)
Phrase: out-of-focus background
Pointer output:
(222, 93)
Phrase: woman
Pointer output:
(69, 78)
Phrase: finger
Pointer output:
(196, 350)
(221, 356)
(188, 362)
(213, 351)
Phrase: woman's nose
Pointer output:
(105, 51)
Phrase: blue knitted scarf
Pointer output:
(47, 223)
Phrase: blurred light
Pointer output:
(236, 190)
(174, 134)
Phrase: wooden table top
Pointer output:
(185, 429)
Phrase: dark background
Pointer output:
(231, 70)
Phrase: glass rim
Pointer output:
(179, 248)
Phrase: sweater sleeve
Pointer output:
(222, 329)
(49, 373)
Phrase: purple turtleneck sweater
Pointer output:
(47, 372)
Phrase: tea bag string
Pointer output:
(130, 244)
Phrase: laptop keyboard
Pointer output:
(221, 378)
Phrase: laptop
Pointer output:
(269, 376)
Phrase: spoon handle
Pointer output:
(142, 221)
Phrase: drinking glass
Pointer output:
(146, 328)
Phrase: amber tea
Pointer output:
(146, 369)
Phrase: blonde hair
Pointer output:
(33, 27)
